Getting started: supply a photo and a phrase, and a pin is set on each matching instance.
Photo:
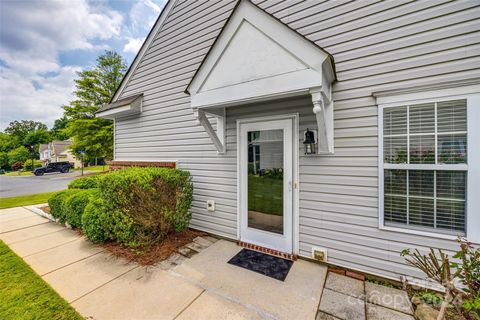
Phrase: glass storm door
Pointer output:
(266, 195)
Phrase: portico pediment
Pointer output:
(256, 57)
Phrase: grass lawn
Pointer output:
(94, 168)
(265, 194)
(18, 173)
(24, 295)
(25, 200)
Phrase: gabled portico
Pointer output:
(257, 58)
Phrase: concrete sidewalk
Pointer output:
(204, 286)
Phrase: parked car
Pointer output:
(62, 167)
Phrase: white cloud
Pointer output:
(133, 45)
(32, 33)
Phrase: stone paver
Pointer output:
(44, 242)
(88, 275)
(325, 316)
(375, 312)
(388, 297)
(61, 256)
(30, 233)
(342, 306)
(143, 293)
(345, 285)
(295, 298)
(203, 242)
(174, 260)
(210, 306)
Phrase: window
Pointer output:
(425, 166)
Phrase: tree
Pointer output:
(33, 140)
(3, 159)
(58, 130)
(8, 142)
(20, 154)
(20, 129)
(94, 88)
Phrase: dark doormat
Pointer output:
(262, 263)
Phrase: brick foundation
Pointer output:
(117, 165)
(276, 253)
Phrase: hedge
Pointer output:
(56, 204)
(157, 200)
(84, 183)
(74, 206)
(135, 206)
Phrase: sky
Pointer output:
(44, 43)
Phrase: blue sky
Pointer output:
(43, 44)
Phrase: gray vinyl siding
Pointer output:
(377, 45)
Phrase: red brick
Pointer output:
(355, 275)
(338, 271)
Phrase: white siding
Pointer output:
(377, 45)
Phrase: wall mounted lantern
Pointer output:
(310, 141)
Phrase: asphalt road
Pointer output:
(17, 186)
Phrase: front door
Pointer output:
(266, 191)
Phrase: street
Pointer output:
(17, 186)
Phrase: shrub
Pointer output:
(101, 223)
(27, 165)
(74, 205)
(17, 166)
(84, 183)
(156, 200)
(56, 204)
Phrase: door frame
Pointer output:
(295, 172)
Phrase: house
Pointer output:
(389, 89)
(57, 151)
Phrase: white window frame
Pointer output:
(471, 93)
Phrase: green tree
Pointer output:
(58, 131)
(94, 88)
(8, 142)
(20, 154)
(3, 159)
(33, 140)
(20, 129)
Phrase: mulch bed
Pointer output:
(154, 253)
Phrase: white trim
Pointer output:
(472, 94)
(317, 71)
(153, 33)
(295, 174)
(114, 137)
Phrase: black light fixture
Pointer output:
(309, 142)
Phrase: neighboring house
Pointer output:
(392, 89)
(56, 151)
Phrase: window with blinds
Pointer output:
(425, 157)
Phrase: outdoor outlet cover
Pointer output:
(210, 205)
(319, 254)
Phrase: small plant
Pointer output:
(84, 183)
(438, 267)
(431, 298)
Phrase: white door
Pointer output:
(266, 178)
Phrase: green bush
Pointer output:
(156, 200)
(27, 165)
(74, 205)
(56, 204)
(84, 183)
(101, 223)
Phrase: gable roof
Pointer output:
(222, 31)
(148, 40)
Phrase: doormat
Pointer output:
(262, 263)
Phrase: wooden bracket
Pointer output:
(218, 136)
(323, 110)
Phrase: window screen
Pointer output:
(425, 156)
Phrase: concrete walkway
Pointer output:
(201, 287)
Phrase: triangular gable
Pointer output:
(255, 56)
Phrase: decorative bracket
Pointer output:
(218, 136)
(323, 110)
